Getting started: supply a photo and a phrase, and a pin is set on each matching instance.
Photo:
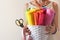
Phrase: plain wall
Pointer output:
(10, 10)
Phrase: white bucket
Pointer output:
(38, 32)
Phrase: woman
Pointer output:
(39, 4)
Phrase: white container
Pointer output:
(38, 32)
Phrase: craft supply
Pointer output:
(41, 20)
(49, 16)
(39, 17)
(29, 16)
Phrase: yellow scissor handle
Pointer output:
(19, 22)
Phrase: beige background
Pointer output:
(11, 10)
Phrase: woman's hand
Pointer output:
(51, 29)
(26, 31)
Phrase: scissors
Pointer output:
(19, 22)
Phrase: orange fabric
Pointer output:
(39, 17)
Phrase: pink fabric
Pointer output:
(49, 16)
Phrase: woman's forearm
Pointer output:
(55, 6)
(35, 3)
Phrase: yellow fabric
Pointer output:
(29, 16)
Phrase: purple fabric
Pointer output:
(49, 16)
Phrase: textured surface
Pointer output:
(38, 32)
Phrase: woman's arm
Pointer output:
(35, 3)
(52, 28)
(25, 8)
(25, 28)
(55, 6)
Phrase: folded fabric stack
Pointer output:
(40, 16)
(37, 20)
(50, 13)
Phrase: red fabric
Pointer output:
(39, 17)
(42, 14)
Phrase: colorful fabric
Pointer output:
(43, 16)
(30, 17)
(39, 17)
(49, 16)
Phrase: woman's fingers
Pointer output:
(50, 29)
(35, 3)
(26, 31)
(29, 32)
